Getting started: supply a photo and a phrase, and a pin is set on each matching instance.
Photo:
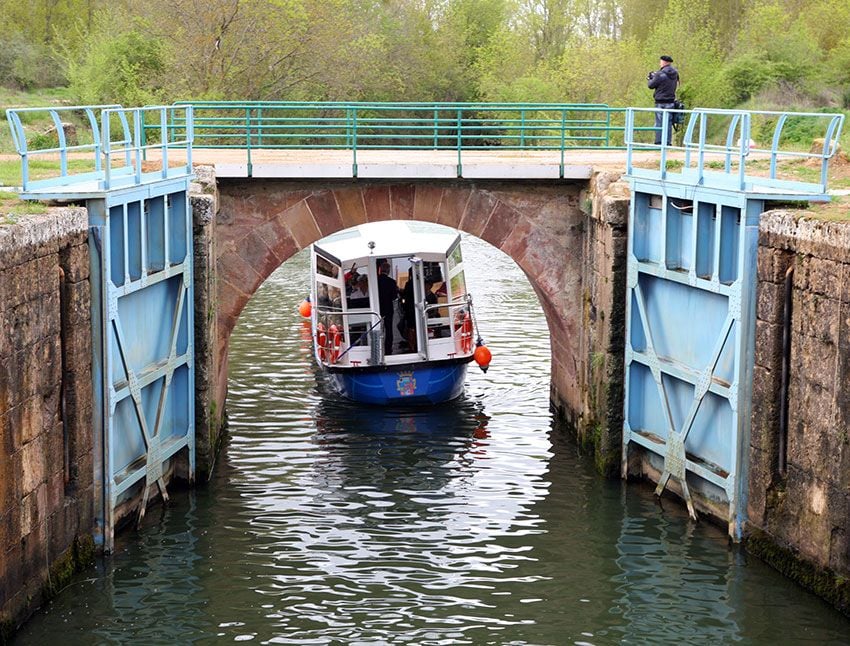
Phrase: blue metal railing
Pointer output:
(719, 146)
(114, 151)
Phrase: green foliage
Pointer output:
(125, 68)
(429, 50)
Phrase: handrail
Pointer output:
(117, 150)
(728, 136)
(26, 152)
(358, 126)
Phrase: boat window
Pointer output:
(455, 258)
(358, 291)
(458, 287)
(326, 268)
(328, 297)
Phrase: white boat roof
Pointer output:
(391, 238)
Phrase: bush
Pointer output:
(26, 65)
(124, 68)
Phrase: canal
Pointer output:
(477, 523)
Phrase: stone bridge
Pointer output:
(568, 236)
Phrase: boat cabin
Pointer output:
(390, 293)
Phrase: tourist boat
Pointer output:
(392, 321)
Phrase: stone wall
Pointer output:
(209, 417)
(46, 471)
(799, 521)
(603, 320)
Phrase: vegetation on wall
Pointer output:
(729, 52)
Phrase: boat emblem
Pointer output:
(406, 383)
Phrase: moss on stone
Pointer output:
(825, 583)
(63, 569)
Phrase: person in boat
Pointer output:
(387, 294)
(359, 296)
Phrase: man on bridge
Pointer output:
(664, 82)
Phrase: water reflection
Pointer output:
(471, 523)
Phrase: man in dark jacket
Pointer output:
(387, 293)
(664, 82)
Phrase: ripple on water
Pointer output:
(469, 523)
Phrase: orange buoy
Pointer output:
(306, 308)
(482, 357)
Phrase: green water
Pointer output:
(475, 523)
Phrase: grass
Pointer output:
(10, 170)
(35, 99)
(12, 208)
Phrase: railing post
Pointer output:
(163, 120)
(607, 127)
(436, 137)
(260, 127)
(137, 144)
(354, 142)
(248, 140)
(107, 148)
(563, 137)
(522, 129)
(459, 122)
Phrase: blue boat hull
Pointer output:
(412, 383)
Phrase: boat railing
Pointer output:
(379, 324)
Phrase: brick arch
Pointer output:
(262, 223)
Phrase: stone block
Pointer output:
(78, 304)
(10, 529)
(814, 360)
(9, 481)
(34, 509)
(768, 350)
(42, 235)
(426, 202)
(500, 224)
(770, 302)
(478, 209)
(827, 277)
(302, 226)
(204, 208)
(33, 465)
(27, 281)
(516, 244)
(760, 480)
(453, 205)
(233, 269)
(376, 199)
(32, 320)
(325, 212)
(772, 264)
(55, 450)
(349, 201)
(76, 263)
(765, 411)
(12, 568)
(256, 253)
(809, 423)
(402, 198)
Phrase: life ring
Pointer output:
(336, 342)
(465, 331)
(321, 339)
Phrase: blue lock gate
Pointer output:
(140, 243)
(691, 294)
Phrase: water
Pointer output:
(477, 523)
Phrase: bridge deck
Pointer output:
(410, 164)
